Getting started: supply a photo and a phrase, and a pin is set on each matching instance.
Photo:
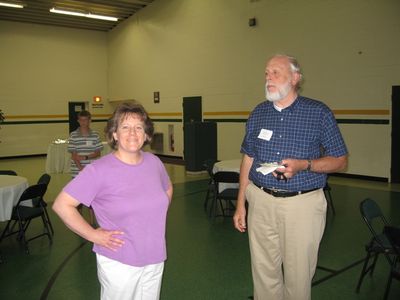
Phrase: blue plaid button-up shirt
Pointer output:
(305, 130)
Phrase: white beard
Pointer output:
(282, 91)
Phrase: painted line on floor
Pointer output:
(53, 278)
(335, 273)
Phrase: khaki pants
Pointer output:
(284, 232)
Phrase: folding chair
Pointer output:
(23, 215)
(209, 164)
(228, 194)
(393, 235)
(45, 179)
(379, 243)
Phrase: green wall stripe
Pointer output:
(226, 120)
(363, 121)
(340, 121)
(167, 120)
(33, 122)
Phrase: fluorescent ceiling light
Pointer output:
(94, 16)
(81, 14)
(67, 12)
(15, 5)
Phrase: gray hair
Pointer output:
(294, 67)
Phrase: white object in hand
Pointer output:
(267, 168)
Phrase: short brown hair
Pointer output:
(85, 113)
(122, 111)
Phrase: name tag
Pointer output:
(265, 134)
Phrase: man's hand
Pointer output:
(239, 219)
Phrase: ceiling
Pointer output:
(37, 11)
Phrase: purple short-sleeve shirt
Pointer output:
(130, 198)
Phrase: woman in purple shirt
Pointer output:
(130, 192)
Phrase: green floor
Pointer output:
(207, 259)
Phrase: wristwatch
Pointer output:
(309, 165)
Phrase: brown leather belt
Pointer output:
(283, 194)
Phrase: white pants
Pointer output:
(122, 282)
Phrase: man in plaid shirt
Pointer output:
(287, 208)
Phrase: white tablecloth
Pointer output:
(59, 159)
(231, 165)
(11, 188)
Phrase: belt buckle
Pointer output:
(275, 192)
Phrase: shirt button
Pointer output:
(278, 153)
(281, 119)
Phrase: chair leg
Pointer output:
(373, 264)
(207, 195)
(3, 234)
(48, 220)
(213, 207)
(21, 234)
(385, 297)
(364, 271)
(222, 208)
(47, 228)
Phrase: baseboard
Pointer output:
(22, 156)
(362, 177)
(170, 159)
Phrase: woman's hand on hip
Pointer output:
(108, 239)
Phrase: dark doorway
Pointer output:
(192, 111)
(395, 161)
(73, 109)
(199, 138)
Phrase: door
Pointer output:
(395, 161)
(192, 112)
(73, 110)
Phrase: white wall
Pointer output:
(42, 68)
(348, 49)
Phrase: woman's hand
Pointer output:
(107, 239)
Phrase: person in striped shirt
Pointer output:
(84, 144)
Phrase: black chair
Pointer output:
(209, 164)
(23, 215)
(393, 235)
(8, 172)
(228, 195)
(379, 243)
(45, 179)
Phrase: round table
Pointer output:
(58, 158)
(11, 188)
